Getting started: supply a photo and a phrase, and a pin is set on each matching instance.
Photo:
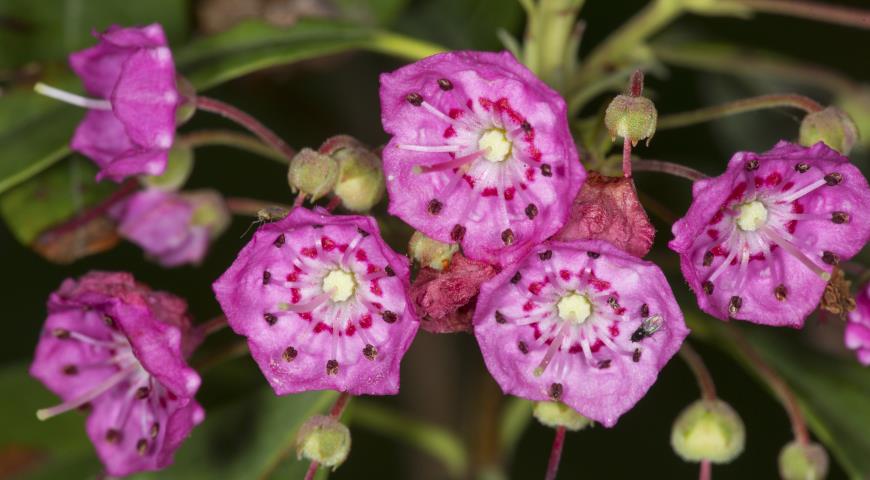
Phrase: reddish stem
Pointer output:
(850, 17)
(706, 470)
(232, 113)
(699, 370)
(312, 471)
(670, 168)
(334, 202)
(555, 454)
(125, 190)
(626, 157)
(212, 326)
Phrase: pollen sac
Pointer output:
(492, 154)
(832, 126)
(803, 462)
(573, 318)
(759, 245)
(131, 68)
(121, 348)
(708, 430)
(857, 336)
(607, 208)
(337, 294)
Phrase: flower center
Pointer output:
(340, 284)
(574, 308)
(752, 216)
(495, 145)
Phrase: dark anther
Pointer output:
(708, 258)
(271, 319)
(142, 446)
(279, 242)
(833, 179)
(362, 232)
(635, 357)
(370, 351)
(604, 364)
(113, 436)
(332, 367)
(546, 170)
(445, 84)
(644, 310)
(839, 217)
(155, 429)
(707, 285)
(414, 99)
(751, 165)
(556, 391)
(830, 258)
(734, 304)
(546, 255)
(317, 226)
(526, 126)
(780, 292)
(516, 278)
(390, 317)
(289, 354)
(613, 302)
(458, 233)
(499, 317)
(60, 333)
(389, 270)
(507, 236)
(531, 211)
(267, 275)
(108, 320)
(593, 255)
(523, 347)
(70, 370)
(434, 206)
(142, 392)
(802, 167)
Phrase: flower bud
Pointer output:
(312, 173)
(856, 104)
(431, 253)
(324, 440)
(832, 126)
(187, 100)
(708, 430)
(631, 117)
(209, 210)
(360, 184)
(179, 165)
(557, 414)
(803, 462)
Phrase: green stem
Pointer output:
(390, 43)
(251, 207)
(612, 82)
(229, 138)
(840, 15)
(677, 120)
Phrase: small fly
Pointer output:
(647, 328)
(267, 215)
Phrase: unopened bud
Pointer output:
(557, 414)
(708, 430)
(803, 462)
(631, 117)
(856, 104)
(360, 184)
(324, 440)
(312, 173)
(209, 210)
(179, 165)
(431, 253)
(186, 101)
(832, 126)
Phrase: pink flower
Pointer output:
(323, 302)
(758, 242)
(118, 347)
(607, 208)
(130, 128)
(858, 327)
(445, 299)
(173, 228)
(580, 322)
(481, 153)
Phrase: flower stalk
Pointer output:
(230, 138)
(836, 14)
(669, 168)
(751, 104)
(555, 454)
(700, 371)
(252, 124)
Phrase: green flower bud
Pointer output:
(803, 462)
(312, 173)
(187, 105)
(210, 211)
(557, 414)
(832, 126)
(856, 104)
(360, 184)
(630, 117)
(324, 440)
(179, 166)
(431, 253)
(708, 430)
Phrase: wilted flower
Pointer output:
(858, 326)
(323, 302)
(582, 323)
(481, 153)
(759, 242)
(118, 347)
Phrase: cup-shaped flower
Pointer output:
(759, 241)
(580, 322)
(173, 228)
(857, 335)
(116, 346)
(130, 127)
(323, 302)
(480, 154)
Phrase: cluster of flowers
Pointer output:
(550, 277)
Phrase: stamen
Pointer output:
(789, 248)
(431, 148)
(455, 163)
(553, 348)
(106, 385)
(71, 98)
(308, 306)
(434, 111)
(803, 191)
